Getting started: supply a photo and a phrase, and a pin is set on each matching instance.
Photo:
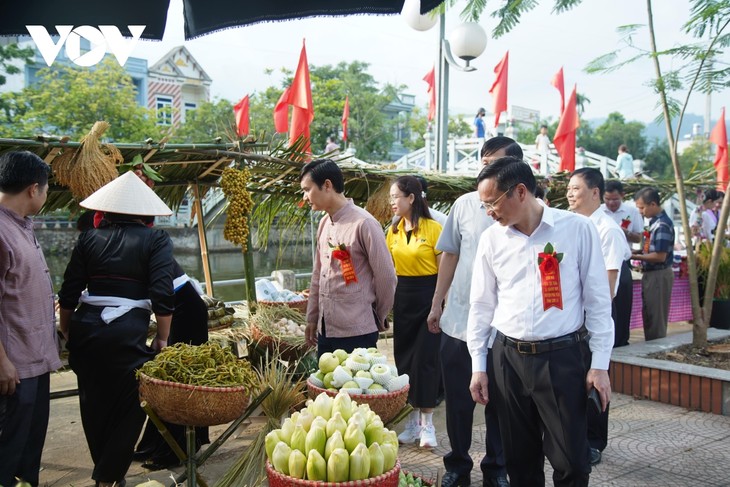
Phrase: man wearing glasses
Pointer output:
(538, 277)
(458, 242)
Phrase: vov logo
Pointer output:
(106, 36)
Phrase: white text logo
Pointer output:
(106, 36)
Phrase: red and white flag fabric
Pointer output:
(499, 88)
(559, 85)
(565, 135)
(300, 98)
(281, 113)
(241, 112)
(345, 117)
(718, 136)
(430, 78)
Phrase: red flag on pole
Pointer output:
(345, 116)
(281, 112)
(300, 97)
(241, 112)
(565, 135)
(559, 84)
(718, 136)
(499, 88)
(430, 78)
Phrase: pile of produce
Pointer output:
(208, 364)
(240, 204)
(218, 315)
(364, 371)
(281, 323)
(332, 440)
(408, 480)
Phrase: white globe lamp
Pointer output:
(468, 41)
(412, 14)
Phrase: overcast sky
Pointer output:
(236, 58)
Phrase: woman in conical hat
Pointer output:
(118, 275)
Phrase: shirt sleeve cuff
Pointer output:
(479, 363)
(600, 360)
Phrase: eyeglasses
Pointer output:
(490, 207)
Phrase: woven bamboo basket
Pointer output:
(300, 306)
(388, 479)
(275, 345)
(192, 405)
(387, 406)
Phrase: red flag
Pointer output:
(559, 84)
(241, 112)
(718, 136)
(565, 135)
(300, 98)
(499, 88)
(281, 112)
(345, 116)
(430, 78)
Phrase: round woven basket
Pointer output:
(192, 405)
(387, 406)
(300, 306)
(275, 345)
(388, 479)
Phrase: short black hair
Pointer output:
(713, 195)
(648, 195)
(320, 170)
(614, 185)
(509, 172)
(20, 169)
(593, 179)
(511, 148)
(543, 126)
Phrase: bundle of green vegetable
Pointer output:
(201, 365)
(408, 480)
(333, 440)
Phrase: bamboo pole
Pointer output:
(249, 274)
(203, 240)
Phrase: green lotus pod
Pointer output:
(280, 458)
(359, 463)
(342, 404)
(305, 419)
(287, 428)
(338, 466)
(298, 439)
(316, 439)
(333, 442)
(359, 419)
(353, 437)
(374, 432)
(390, 454)
(377, 461)
(270, 442)
(297, 464)
(319, 422)
(322, 406)
(336, 423)
(316, 466)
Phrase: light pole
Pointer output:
(467, 42)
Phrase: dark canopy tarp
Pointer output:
(201, 16)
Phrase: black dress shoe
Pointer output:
(142, 455)
(453, 479)
(161, 463)
(496, 482)
(595, 456)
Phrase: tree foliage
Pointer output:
(613, 132)
(209, 121)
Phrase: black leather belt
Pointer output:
(542, 346)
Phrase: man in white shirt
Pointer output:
(540, 281)
(624, 163)
(542, 147)
(585, 192)
(628, 218)
(458, 242)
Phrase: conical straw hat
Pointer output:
(127, 195)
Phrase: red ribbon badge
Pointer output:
(340, 253)
(647, 240)
(625, 222)
(549, 263)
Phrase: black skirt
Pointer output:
(415, 348)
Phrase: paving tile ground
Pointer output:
(650, 445)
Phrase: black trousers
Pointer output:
(541, 401)
(23, 425)
(456, 374)
(621, 307)
(348, 344)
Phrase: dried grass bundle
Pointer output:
(378, 204)
(89, 167)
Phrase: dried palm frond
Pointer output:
(378, 204)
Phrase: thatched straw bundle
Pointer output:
(378, 204)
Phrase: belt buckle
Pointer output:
(530, 350)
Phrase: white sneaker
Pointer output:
(411, 433)
(428, 436)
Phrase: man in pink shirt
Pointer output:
(28, 340)
(353, 279)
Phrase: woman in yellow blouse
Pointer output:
(412, 243)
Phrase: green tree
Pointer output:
(208, 122)
(698, 156)
(616, 131)
(9, 56)
(658, 162)
(68, 100)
